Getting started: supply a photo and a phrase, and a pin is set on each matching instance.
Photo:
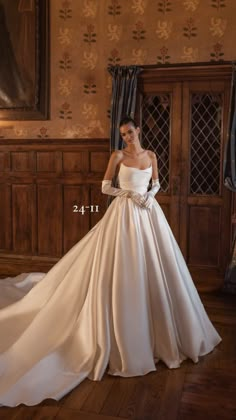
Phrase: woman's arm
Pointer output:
(107, 188)
(115, 159)
(155, 181)
(155, 174)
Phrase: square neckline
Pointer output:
(133, 167)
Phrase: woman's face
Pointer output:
(129, 133)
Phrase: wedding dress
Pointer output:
(119, 301)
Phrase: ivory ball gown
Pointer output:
(120, 300)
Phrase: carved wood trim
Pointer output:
(178, 73)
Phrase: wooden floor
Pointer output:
(203, 391)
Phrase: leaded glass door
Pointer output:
(205, 216)
(183, 116)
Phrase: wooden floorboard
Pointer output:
(202, 391)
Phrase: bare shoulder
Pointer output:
(114, 161)
(151, 154)
(116, 156)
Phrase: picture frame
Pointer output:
(24, 66)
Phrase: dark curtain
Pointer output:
(229, 176)
(229, 158)
(124, 90)
(230, 275)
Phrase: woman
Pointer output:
(121, 298)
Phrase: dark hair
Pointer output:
(127, 120)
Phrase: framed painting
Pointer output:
(24, 63)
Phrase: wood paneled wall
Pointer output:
(41, 182)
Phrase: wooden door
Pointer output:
(161, 132)
(205, 203)
(184, 120)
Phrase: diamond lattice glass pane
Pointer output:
(205, 143)
(156, 132)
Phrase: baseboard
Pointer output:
(15, 264)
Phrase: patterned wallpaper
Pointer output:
(87, 35)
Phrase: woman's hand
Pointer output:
(118, 192)
(148, 200)
(149, 196)
(138, 199)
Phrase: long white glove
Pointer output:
(136, 197)
(149, 196)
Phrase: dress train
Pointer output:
(121, 299)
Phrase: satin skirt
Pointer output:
(119, 301)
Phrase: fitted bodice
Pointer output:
(134, 179)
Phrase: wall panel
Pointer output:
(5, 217)
(22, 218)
(204, 232)
(76, 216)
(40, 182)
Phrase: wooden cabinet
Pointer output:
(183, 113)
